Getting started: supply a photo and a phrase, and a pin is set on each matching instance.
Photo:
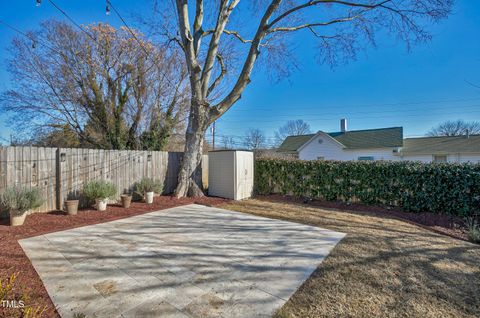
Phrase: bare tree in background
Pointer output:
(104, 88)
(254, 139)
(221, 48)
(227, 142)
(455, 128)
(291, 128)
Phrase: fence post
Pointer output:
(58, 179)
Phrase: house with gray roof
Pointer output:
(381, 144)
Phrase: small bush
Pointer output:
(99, 189)
(18, 200)
(148, 185)
(473, 230)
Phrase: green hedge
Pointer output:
(416, 187)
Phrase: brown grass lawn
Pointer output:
(384, 267)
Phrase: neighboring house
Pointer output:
(381, 144)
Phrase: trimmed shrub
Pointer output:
(417, 187)
(18, 200)
(148, 185)
(99, 189)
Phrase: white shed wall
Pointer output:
(221, 171)
(230, 174)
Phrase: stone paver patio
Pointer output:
(190, 261)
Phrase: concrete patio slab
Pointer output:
(190, 261)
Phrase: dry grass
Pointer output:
(383, 267)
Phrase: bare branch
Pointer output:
(225, 10)
(312, 25)
(244, 77)
(223, 71)
(197, 27)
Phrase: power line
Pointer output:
(322, 118)
(127, 26)
(109, 3)
(376, 111)
(34, 40)
(374, 105)
(72, 20)
(63, 12)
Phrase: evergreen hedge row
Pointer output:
(417, 187)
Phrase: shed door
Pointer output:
(244, 175)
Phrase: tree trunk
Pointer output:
(190, 174)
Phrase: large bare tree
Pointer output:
(222, 42)
(110, 88)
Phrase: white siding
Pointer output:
(458, 158)
(329, 149)
(475, 158)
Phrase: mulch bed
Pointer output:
(439, 223)
(28, 285)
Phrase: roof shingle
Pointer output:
(442, 145)
(355, 139)
(370, 138)
(292, 143)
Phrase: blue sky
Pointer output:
(386, 86)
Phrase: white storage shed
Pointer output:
(230, 174)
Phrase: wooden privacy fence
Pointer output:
(60, 173)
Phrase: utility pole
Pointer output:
(213, 135)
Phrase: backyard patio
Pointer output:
(186, 261)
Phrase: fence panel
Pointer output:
(60, 173)
(30, 167)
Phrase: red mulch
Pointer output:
(440, 223)
(14, 260)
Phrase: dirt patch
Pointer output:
(28, 284)
(106, 288)
(384, 267)
(439, 223)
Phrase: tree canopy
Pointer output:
(106, 88)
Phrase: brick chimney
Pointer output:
(343, 125)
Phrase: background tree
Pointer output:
(291, 128)
(455, 128)
(103, 87)
(227, 142)
(254, 139)
(221, 50)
